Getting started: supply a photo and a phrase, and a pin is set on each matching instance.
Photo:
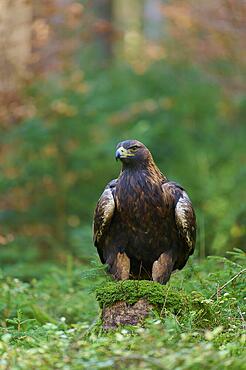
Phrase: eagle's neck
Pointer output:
(147, 178)
(143, 170)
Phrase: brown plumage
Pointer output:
(144, 225)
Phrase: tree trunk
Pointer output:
(153, 20)
(104, 30)
(15, 53)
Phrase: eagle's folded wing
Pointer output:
(186, 222)
(184, 214)
(103, 213)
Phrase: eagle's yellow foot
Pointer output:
(122, 267)
(162, 268)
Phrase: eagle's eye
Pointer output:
(133, 148)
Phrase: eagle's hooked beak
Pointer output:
(122, 153)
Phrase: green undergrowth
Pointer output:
(49, 323)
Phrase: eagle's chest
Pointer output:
(140, 205)
(142, 219)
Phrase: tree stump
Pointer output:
(130, 302)
(122, 313)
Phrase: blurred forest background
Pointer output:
(77, 77)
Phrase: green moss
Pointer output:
(160, 296)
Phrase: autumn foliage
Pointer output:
(180, 91)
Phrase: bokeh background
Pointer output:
(77, 77)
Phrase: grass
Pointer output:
(52, 322)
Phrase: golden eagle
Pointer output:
(144, 225)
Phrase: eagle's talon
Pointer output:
(162, 268)
(122, 267)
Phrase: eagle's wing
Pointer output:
(184, 214)
(103, 213)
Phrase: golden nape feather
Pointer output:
(144, 225)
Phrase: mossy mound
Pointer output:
(163, 298)
(131, 291)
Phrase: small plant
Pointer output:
(18, 321)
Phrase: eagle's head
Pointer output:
(133, 153)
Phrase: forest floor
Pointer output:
(53, 322)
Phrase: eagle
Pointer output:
(144, 225)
